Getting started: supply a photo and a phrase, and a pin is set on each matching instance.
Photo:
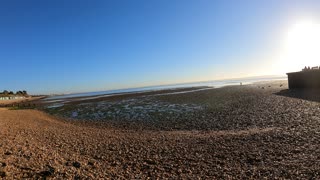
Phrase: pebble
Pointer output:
(76, 164)
(3, 174)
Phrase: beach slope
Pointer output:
(34, 144)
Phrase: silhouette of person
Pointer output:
(305, 68)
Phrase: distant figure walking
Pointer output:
(240, 83)
(305, 68)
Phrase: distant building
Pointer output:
(307, 78)
(4, 97)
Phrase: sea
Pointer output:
(213, 84)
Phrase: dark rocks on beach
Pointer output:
(45, 173)
(3, 164)
(3, 174)
(150, 162)
(8, 153)
(76, 164)
(77, 177)
(91, 163)
(48, 172)
(253, 160)
(137, 110)
(68, 163)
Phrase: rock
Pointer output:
(45, 173)
(76, 164)
(3, 174)
(77, 177)
(74, 114)
(253, 160)
(97, 157)
(151, 162)
(8, 153)
(91, 163)
(29, 175)
(49, 172)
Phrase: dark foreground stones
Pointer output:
(76, 164)
(3, 174)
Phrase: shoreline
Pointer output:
(171, 87)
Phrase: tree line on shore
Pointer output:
(18, 93)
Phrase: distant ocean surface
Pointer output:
(215, 84)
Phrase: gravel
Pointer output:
(244, 132)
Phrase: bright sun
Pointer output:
(302, 46)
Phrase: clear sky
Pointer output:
(90, 45)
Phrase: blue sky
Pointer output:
(91, 45)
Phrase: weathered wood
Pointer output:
(308, 79)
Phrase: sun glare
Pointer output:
(302, 46)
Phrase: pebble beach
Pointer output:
(255, 131)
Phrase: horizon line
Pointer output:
(169, 84)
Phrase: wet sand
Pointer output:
(120, 96)
(245, 132)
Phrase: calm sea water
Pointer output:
(215, 84)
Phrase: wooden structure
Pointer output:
(306, 79)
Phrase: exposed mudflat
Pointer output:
(252, 131)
